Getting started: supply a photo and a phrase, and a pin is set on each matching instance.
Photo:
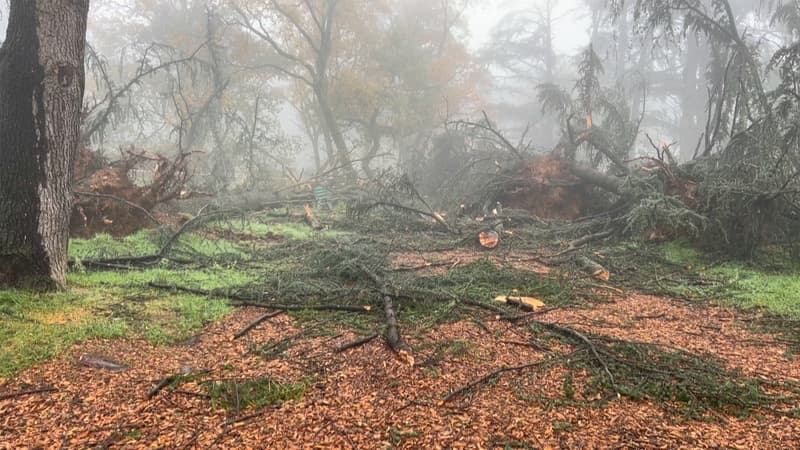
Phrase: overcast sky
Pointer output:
(570, 28)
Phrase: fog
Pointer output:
(262, 97)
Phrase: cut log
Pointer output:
(489, 239)
(594, 268)
(526, 303)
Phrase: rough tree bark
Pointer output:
(41, 91)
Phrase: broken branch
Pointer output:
(356, 343)
(256, 322)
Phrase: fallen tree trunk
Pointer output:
(596, 178)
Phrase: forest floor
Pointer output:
(284, 384)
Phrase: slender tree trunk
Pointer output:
(41, 91)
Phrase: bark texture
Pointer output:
(41, 92)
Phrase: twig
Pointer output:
(27, 392)
(256, 322)
(436, 217)
(166, 381)
(580, 336)
(192, 394)
(170, 379)
(356, 343)
(487, 306)
(481, 325)
(494, 374)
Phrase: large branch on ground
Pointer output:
(27, 392)
(393, 338)
(593, 267)
(189, 225)
(577, 244)
(396, 342)
(433, 215)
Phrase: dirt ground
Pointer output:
(366, 398)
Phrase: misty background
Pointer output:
(207, 77)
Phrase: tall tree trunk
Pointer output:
(335, 133)
(41, 92)
(690, 98)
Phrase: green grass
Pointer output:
(37, 326)
(111, 304)
(769, 281)
(213, 277)
(237, 395)
(682, 253)
(289, 230)
(105, 246)
(778, 292)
